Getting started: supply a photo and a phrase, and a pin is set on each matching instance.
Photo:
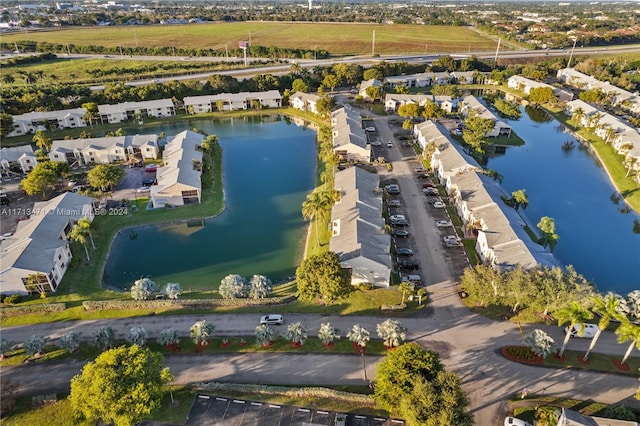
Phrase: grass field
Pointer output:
(338, 39)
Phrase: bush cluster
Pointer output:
(521, 353)
(30, 309)
(91, 305)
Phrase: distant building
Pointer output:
(358, 233)
(366, 84)
(105, 150)
(393, 101)
(304, 101)
(471, 104)
(617, 96)
(127, 111)
(40, 247)
(232, 101)
(17, 158)
(179, 179)
(47, 120)
(525, 85)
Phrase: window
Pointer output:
(59, 256)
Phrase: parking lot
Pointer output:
(216, 410)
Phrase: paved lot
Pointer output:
(216, 410)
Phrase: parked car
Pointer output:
(392, 189)
(341, 419)
(404, 251)
(443, 224)
(407, 264)
(403, 137)
(393, 203)
(376, 143)
(590, 330)
(423, 176)
(397, 217)
(370, 129)
(411, 278)
(144, 189)
(434, 200)
(453, 238)
(389, 144)
(428, 185)
(420, 170)
(148, 182)
(273, 319)
(151, 168)
(439, 205)
(452, 244)
(400, 233)
(400, 223)
(512, 421)
(430, 192)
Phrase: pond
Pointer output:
(269, 166)
(595, 228)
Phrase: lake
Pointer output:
(269, 167)
(595, 232)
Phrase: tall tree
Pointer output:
(628, 331)
(548, 228)
(91, 113)
(79, 235)
(6, 124)
(321, 275)
(105, 176)
(39, 179)
(574, 314)
(123, 386)
(42, 141)
(608, 307)
(317, 208)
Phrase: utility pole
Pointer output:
(135, 36)
(571, 56)
(373, 44)
(497, 50)
(226, 48)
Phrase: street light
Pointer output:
(575, 39)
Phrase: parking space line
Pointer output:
(259, 404)
(237, 401)
(322, 412)
(273, 406)
(304, 410)
(220, 399)
(205, 397)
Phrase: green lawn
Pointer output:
(336, 38)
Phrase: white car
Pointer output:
(397, 217)
(512, 421)
(389, 144)
(370, 129)
(443, 224)
(439, 205)
(144, 189)
(590, 330)
(273, 319)
(452, 238)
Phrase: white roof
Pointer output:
(13, 153)
(135, 106)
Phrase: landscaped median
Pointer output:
(574, 360)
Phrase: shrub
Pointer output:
(328, 333)
(233, 286)
(35, 345)
(619, 412)
(366, 286)
(29, 309)
(137, 336)
(168, 336)
(296, 333)
(265, 334)
(70, 341)
(143, 289)
(13, 299)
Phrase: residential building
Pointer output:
(40, 247)
(472, 105)
(616, 95)
(304, 101)
(127, 111)
(464, 77)
(366, 84)
(358, 228)
(393, 101)
(45, 120)
(501, 241)
(105, 150)
(17, 159)
(412, 80)
(179, 179)
(525, 85)
(349, 138)
(232, 101)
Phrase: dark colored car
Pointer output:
(423, 176)
(401, 233)
(408, 265)
(404, 251)
(400, 223)
(148, 182)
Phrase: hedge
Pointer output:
(30, 309)
(91, 305)
(310, 392)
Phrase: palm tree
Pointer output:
(574, 314)
(78, 234)
(315, 208)
(608, 307)
(628, 331)
(85, 225)
(42, 141)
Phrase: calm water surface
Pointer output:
(269, 168)
(595, 235)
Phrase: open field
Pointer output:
(336, 38)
